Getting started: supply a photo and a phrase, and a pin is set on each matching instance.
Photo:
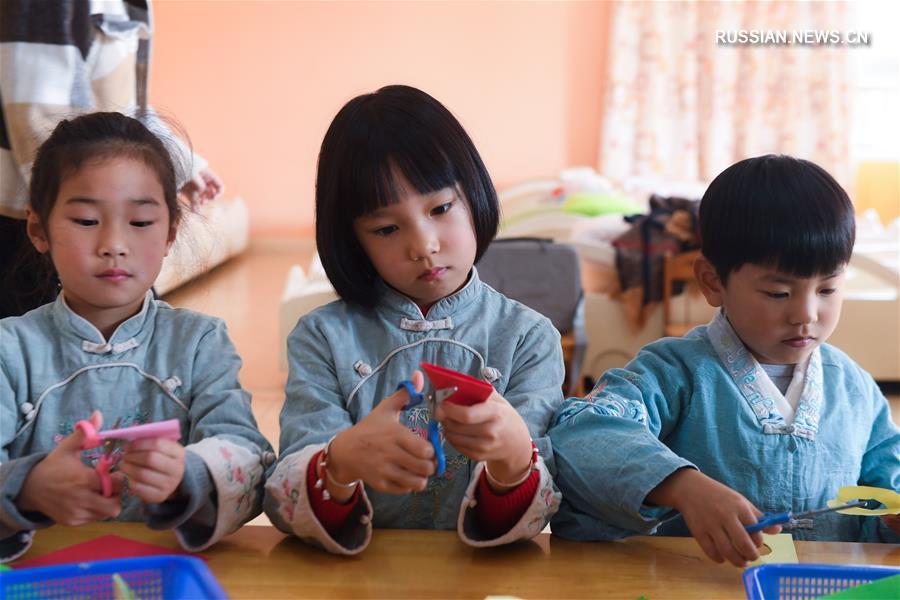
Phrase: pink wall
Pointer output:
(256, 83)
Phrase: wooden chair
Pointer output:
(678, 274)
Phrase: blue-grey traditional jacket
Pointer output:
(163, 363)
(704, 401)
(344, 359)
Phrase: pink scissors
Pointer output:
(113, 438)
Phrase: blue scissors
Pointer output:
(769, 519)
(431, 401)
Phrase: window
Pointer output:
(875, 133)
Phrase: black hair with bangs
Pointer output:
(777, 211)
(396, 129)
(74, 143)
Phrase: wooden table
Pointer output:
(261, 562)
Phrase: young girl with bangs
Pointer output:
(103, 208)
(404, 209)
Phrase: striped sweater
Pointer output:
(63, 58)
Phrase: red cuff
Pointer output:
(330, 514)
(498, 513)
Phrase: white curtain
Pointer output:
(680, 106)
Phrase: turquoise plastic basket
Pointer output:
(149, 577)
(799, 582)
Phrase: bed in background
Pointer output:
(304, 290)
(869, 330)
(207, 238)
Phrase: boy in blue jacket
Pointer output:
(753, 412)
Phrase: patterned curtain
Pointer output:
(680, 106)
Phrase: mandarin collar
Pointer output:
(758, 390)
(396, 304)
(91, 339)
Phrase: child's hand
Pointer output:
(203, 188)
(387, 456)
(65, 489)
(715, 514)
(492, 431)
(892, 521)
(155, 468)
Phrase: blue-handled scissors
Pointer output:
(431, 401)
(769, 519)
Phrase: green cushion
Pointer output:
(593, 205)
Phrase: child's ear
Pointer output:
(36, 232)
(170, 239)
(709, 281)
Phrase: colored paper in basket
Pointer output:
(850, 493)
(887, 587)
(782, 550)
(101, 548)
(121, 590)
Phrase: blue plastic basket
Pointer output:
(797, 582)
(148, 577)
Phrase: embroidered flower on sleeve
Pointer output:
(548, 496)
(607, 405)
(292, 495)
(238, 475)
(235, 474)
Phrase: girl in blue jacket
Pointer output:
(104, 208)
(404, 208)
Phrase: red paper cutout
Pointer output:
(470, 390)
(101, 548)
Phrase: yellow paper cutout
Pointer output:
(890, 499)
(783, 550)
